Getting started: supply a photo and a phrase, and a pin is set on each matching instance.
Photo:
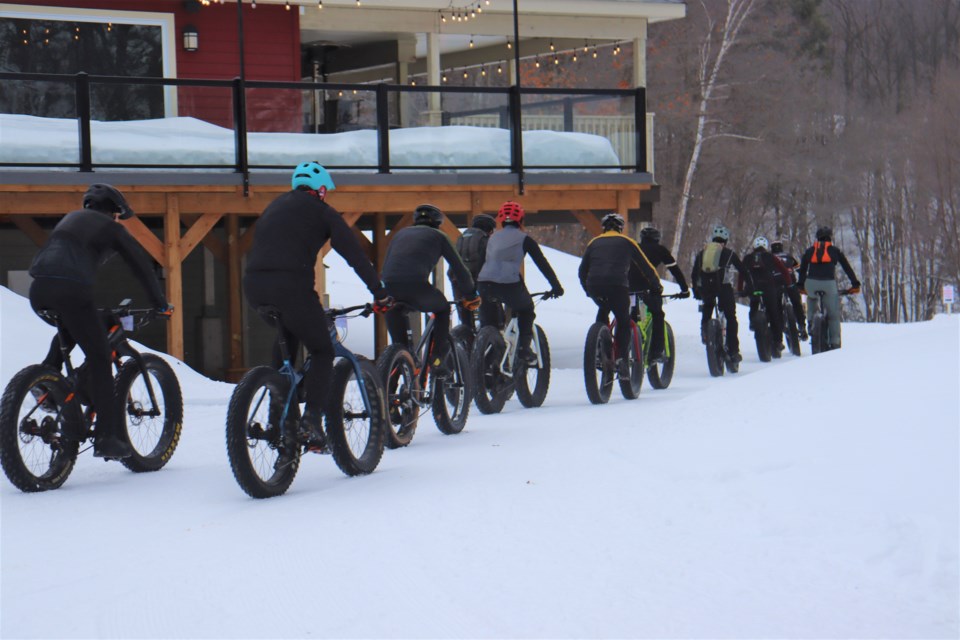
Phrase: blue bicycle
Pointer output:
(264, 439)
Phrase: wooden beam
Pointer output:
(589, 222)
(32, 230)
(147, 239)
(197, 232)
(245, 241)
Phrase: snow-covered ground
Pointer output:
(811, 497)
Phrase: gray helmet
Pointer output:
(104, 198)
(761, 243)
(613, 221)
(720, 232)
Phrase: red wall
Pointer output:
(272, 52)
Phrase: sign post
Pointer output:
(948, 297)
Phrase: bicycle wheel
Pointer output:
(598, 363)
(661, 373)
(464, 335)
(791, 330)
(715, 348)
(818, 333)
(398, 373)
(453, 393)
(492, 386)
(262, 463)
(761, 335)
(36, 422)
(630, 387)
(533, 382)
(355, 428)
(153, 432)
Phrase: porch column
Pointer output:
(171, 241)
(434, 114)
(235, 298)
(640, 57)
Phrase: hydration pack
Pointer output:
(472, 247)
(711, 257)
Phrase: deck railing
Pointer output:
(518, 110)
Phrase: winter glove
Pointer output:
(470, 304)
(165, 310)
(556, 292)
(383, 303)
(684, 294)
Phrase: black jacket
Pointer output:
(658, 255)
(415, 251)
(84, 240)
(292, 230)
(820, 263)
(766, 269)
(613, 259)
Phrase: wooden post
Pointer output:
(235, 295)
(380, 335)
(171, 237)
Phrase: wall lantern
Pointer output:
(191, 38)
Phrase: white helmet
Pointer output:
(761, 242)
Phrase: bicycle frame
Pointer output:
(511, 337)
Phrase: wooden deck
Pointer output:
(382, 204)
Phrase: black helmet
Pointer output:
(484, 222)
(103, 197)
(777, 245)
(612, 221)
(651, 234)
(824, 233)
(428, 214)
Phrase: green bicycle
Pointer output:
(659, 373)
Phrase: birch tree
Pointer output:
(711, 60)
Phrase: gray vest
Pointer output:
(504, 256)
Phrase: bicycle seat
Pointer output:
(49, 315)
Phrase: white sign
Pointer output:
(948, 294)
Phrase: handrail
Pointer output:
(513, 110)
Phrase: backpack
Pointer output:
(710, 262)
(472, 247)
(759, 270)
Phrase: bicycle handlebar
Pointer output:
(364, 309)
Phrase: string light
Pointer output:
(552, 48)
(444, 77)
(537, 63)
(443, 18)
(358, 3)
(574, 56)
(499, 68)
(254, 5)
(556, 60)
(471, 42)
(465, 74)
(509, 44)
(319, 4)
(483, 71)
(287, 5)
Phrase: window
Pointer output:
(98, 43)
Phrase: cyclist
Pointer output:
(63, 278)
(411, 257)
(500, 280)
(605, 274)
(280, 273)
(658, 255)
(713, 276)
(472, 247)
(791, 263)
(767, 275)
(818, 268)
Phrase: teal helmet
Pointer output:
(312, 176)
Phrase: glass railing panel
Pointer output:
(38, 124)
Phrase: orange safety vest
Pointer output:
(820, 253)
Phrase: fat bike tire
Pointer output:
(493, 387)
(452, 395)
(401, 385)
(661, 373)
(533, 382)
(354, 426)
(254, 434)
(36, 451)
(715, 348)
(153, 434)
(598, 365)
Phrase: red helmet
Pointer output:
(510, 211)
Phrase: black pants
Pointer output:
(423, 297)
(517, 299)
(654, 303)
(304, 321)
(794, 295)
(82, 325)
(617, 300)
(771, 301)
(725, 298)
